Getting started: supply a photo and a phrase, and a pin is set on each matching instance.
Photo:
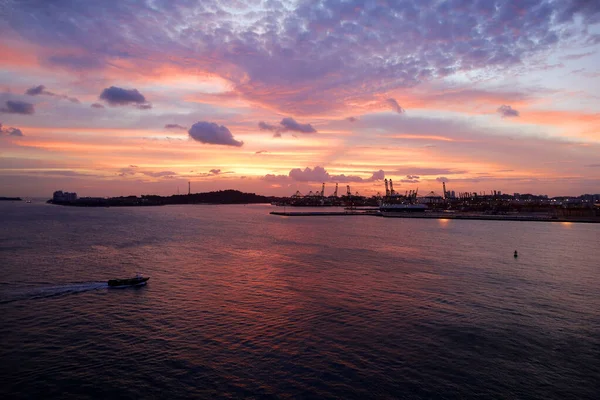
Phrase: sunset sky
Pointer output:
(124, 97)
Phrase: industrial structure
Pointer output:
(493, 202)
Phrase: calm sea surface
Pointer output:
(244, 304)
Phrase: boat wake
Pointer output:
(42, 292)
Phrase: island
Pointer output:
(11, 199)
(218, 197)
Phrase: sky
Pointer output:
(272, 97)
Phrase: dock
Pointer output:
(447, 216)
(320, 213)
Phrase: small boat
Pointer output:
(138, 280)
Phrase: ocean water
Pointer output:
(243, 304)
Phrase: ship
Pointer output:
(401, 207)
(395, 203)
(138, 280)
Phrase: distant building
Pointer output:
(60, 196)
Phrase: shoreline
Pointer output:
(475, 217)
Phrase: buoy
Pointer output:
(516, 254)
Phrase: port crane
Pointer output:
(392, 192)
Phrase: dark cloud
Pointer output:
(319, 174)
(507, 111)
(96, 105)
(146, 106)
(175, 126)
(211, 133)
(41, 90)
(351, 119)
(34, 91)
(442, 179)
(261, 152)
(593, 165)
(14, 132)
(395, 106)
(116, 96)
(263, 126)
(213, 172)
(18, 107)
(288, 124)
(410, 179)
(10, 131)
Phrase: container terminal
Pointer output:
(494, 205)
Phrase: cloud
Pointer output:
(282, 55)
(290, 124)
(275, 178)
(261, 152)
(41, 90)
(263, 126)
(410, 179)
(395, 106)
(14, 132)
(442, 179)
(351, 119)
(319, 174)
(116, 96)
(577, 56)
(507, 111)
(213, 172)
(34, 91)
(175, 126)
(287, 124)
(211, 133)
(411, 171)
(159, 174)
(96, 105)
(18, 107)
(377, 176)
(10, 131)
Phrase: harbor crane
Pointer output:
(392, 192)
(323, 190)
(336, 189)
(387, 190)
